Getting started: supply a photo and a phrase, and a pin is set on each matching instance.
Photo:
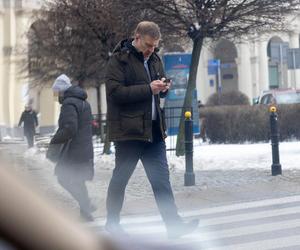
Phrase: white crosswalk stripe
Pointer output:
(265, 224)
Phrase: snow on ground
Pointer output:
(206, 156)
(229, 157)
(241, 156)
(213, 156)
(216, 166)
(9, 139)
(227, 164)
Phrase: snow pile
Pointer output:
(215, 166)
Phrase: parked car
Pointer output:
(279, 96)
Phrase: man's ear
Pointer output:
(137, 36)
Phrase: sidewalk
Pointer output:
(207, 193)
(193, 200)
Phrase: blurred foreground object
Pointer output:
(29, 222)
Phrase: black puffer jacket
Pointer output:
(129, 95)
(29, 118)
(75, 131)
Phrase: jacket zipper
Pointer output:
(157, 77)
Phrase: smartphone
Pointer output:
(166, 81)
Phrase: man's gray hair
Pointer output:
(148, 28)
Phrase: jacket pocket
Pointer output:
(132, 124)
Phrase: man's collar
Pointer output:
(134, 45)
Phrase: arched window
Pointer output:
(37, 35)
(277, 52)
(226, 52)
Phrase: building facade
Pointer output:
(15, 91)
(250, 66)
(14, 20)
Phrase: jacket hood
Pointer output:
(75, 91)
(126, 46)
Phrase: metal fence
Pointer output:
(99, 125)
(172, 116)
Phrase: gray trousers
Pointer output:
(78, 190)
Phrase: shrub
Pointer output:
(228, 98)
(238, 124)
(289, 121)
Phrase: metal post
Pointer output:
(189, 176)
(294, 68)
(281, 64)
(276, 166)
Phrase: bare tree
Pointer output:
(214, 19)
(76, 37)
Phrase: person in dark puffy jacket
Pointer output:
(30, 121)
(75, 164)
(135, 82)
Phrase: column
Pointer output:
(22, 92)
(204, 88)
(103, 99)
(2, 118)
(8, 77)
(263, 66)
(294, 74)
(244, 70)
(49, 111)
(255, 71)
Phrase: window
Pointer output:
(265, 99)
(285, 98)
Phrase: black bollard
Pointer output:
(276, 166)
(189, 176)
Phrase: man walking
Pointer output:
(134, 86)
(30, 121)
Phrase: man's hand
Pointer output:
(158, 86)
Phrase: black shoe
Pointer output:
(115, 229)
(179, 229)
(86, 216)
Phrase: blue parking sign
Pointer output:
(213, 66)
